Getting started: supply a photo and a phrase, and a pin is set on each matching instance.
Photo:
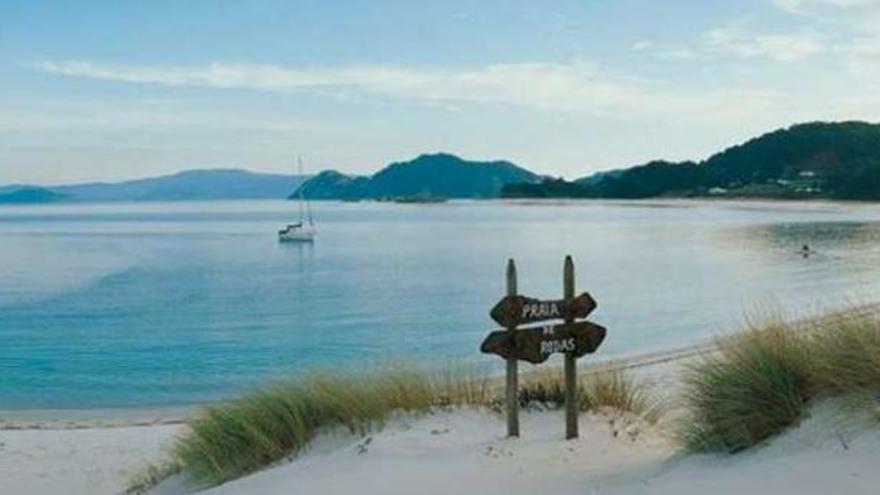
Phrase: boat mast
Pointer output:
(302, 197)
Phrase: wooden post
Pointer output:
(512, 385)
(574, 338)
(571, 399)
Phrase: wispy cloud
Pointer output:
(849, 16)
(848, 29)
(642, 45)
(536, 86)
(138, 115)
(814, 6)
(776, 47)
(744, 44)
(856, 23)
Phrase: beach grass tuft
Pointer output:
(597, 390)
(618, 391)
(543, 387)
(761, 382)
(150, 476)
(752, 388)
(237, 437)
(463, 385)
(844, 355)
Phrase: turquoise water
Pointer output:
(177, 303)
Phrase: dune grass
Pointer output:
(150, 476)
(240, 436)
(234, 438)
(613, 390)
(752, 388)
(618, 391)
(844, 355)
(463, 385)
(760, 382)
(755, 385)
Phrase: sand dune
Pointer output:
(465, 452)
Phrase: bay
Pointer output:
(151, 304)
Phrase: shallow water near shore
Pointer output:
(155, 304)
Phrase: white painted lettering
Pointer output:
(554, 346)
(540, 309)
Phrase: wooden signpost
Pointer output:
(535, 344)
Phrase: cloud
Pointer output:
(661, 52)
(138, 115)
(776, 47)
(642, 45)
(809, 7)
(680, 54)
(855, 24)
(867, 47)
(862, 16)
(535, 86)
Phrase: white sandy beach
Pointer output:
(93, 460)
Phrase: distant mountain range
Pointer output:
(838, 160)
(439, 175)
(24, 195)
(214, 184)
(814, 160)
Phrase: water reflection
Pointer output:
(838, 266)
(855, 241)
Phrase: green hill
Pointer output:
(332, 184)
(438, 175)
(830, 160)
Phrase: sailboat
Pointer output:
(300, 231)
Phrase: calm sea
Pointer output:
(174, 303)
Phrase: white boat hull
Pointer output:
(302, 234)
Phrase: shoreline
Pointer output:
(81, 419)
(72, 419)
(69, 419)
(123, 417)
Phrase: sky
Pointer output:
(109, 90)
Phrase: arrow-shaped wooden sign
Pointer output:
(517, 310)
(536, 344)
